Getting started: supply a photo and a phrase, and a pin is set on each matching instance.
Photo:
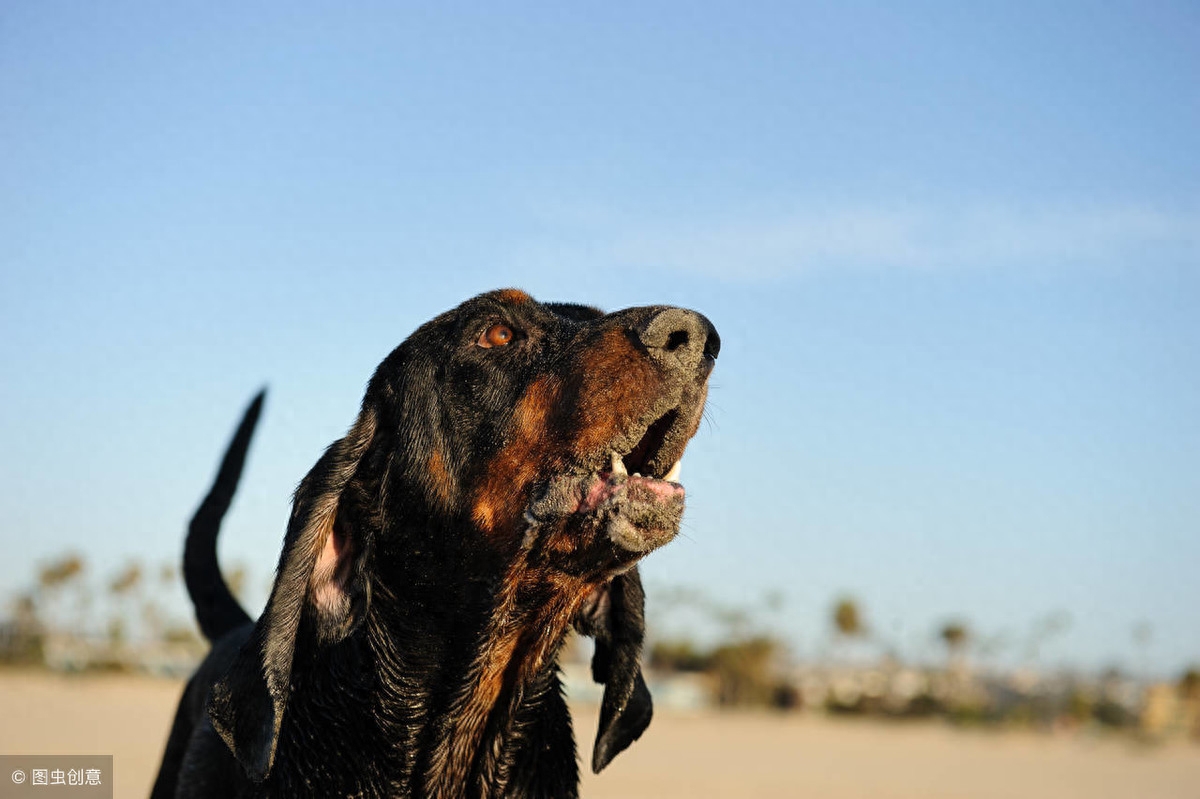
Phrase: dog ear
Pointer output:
(614, 616)
(322, 578)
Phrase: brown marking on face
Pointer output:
(615, 383)
(513, 296)
(500, 499)
(439, 478)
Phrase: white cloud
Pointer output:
(980, 237)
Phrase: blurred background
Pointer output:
(953, 250)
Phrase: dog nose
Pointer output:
(679, 338)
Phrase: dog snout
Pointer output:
(680, 339)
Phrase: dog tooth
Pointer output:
(673, 475)
(618, 466)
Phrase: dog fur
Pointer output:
(500, 483)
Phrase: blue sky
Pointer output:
(953, 251)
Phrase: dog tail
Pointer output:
(217, 610)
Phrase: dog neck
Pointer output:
(452, 687)
(513, 669)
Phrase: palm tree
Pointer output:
(848, 623)
(54, 579)
(954, 635)
(847, 618)
(124, 589)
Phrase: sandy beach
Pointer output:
(702, 755)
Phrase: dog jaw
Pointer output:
(604, 521)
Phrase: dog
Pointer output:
(511, 464)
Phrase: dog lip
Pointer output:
(584, 494)
(608, 486)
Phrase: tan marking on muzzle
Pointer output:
(500, 499)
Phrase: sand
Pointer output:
(701, 755)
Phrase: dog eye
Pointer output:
(495, 336)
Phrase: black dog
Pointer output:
(511, 463)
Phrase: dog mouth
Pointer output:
(649, 457)
(648, 472)
(629, 503)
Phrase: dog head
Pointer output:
(508, 439)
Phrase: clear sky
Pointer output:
(953, 251)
